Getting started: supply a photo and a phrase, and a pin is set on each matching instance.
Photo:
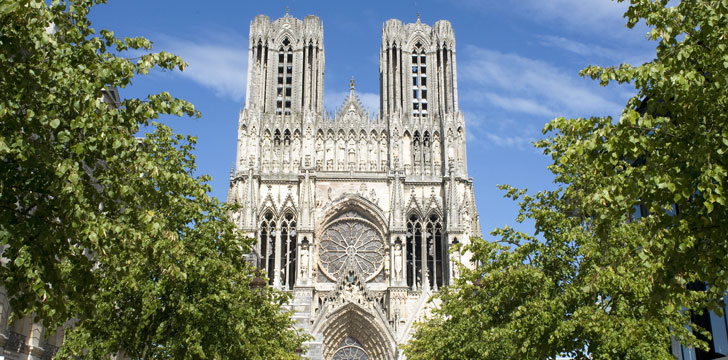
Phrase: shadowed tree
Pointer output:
(107, 229)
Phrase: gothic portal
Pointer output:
(355, 213)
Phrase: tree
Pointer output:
(181, 289)
(639, 218)
(107, 229)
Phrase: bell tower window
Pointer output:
(285, 78)
(419, 81)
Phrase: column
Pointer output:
(4, 313)
(277, 261)
(35, 338)
(425, 277)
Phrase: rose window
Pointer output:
(351, 242)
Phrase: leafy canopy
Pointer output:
(113, 231)
(596, 280)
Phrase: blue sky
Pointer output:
(518, 64)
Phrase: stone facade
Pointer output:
(353, 212)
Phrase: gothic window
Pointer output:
(414, 252)
(285, 78)
(267, 241)
(425, 252)
(435, 254)
(350, 349)
(288, 250)
(259, 51)
(351, 242)
(419, 81)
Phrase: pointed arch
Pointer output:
(418, 42)
(353, 202)
(436, 254)
(277, 138)
(267, 242)
(413, 249)
(288, 247)
(284, 39)
(353, 320)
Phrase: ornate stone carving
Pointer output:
(397, 262)
(352, 242)
(353, 178)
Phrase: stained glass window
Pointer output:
(350, 349)
(351, 241)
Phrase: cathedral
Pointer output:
(354, 213)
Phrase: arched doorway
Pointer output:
(352, 330)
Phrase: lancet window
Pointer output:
(288, 250)
(267, 242)
(426, 252)
(419, 81)
(285, 78)
(278, 245)
(435, 252)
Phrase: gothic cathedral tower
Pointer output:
(355, 213)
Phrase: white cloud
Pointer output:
(518, 142)
(219, 63)
(520, 84)
(528, 106)
(634, 56)
(507, 98)
(595, 18)
(577, 47)
(594, 15)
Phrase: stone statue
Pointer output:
(319, 150)
(398, 262)
(456, 265)
(373, 197)
(304, 262)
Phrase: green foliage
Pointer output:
(112, 231)
(592, 281)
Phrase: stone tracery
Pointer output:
(351, 241)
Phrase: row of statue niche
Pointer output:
(283, 152)
(280, 153)
(366, 154)
(420, 155)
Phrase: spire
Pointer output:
(418, 17)
(351, 85)
(286, 11)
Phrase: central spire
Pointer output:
(351, 84)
